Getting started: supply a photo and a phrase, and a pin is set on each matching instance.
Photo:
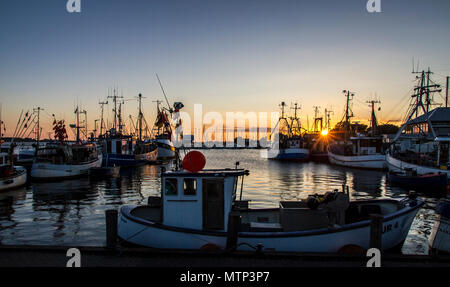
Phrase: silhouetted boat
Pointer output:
(433, 183)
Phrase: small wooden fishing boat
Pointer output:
(432, 182)
(11, 176)
(199, 209)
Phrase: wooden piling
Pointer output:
(234, 223)
(111, 228)
(376, 230)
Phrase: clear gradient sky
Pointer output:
(234, 55)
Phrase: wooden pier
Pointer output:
(56, 256)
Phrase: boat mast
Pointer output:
(296, 120)
(348, 113)
(421, 90)
(446, 93)
(78, 124)
(115, 97)
(38, 132)
(373, 119)
(102, 104)
(1, 122)
(140, 117)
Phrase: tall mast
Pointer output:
(446, 93)
(1, 122)
(348, 113)
(373, 119)
(101, 119)
(38, 132)
(115, 97)
(78, 124)
(421, 90)
(140, 117)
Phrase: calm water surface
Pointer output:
(72, 212)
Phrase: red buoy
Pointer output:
(194, 161)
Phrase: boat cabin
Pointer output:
(67, 154)
(118, 145)
(200, 200)
(363, 145)
(204, 200)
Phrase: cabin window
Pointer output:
(190, 186)
(171, 186)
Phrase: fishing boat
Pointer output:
(358, 150)
(202, 208)
(440, 235)
(23, 151)
(62, 159)
(291, 144)
(433, 182)
(422, 142)
(126, 150)
(164, 133)
(123, 150)
(11, 176)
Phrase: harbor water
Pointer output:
(72, 212)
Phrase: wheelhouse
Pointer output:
(199, 200)
(67, 154)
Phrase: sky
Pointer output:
(229, 56)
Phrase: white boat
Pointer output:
(11, 176)
(440, 235)
(23, 151)
(199, 210)
(63, 161)
(360, 152)
(166, 149)
(422, 143)
(398, 165)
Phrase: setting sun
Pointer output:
(324, 132)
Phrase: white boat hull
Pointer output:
(14, 181)
(399, 166)
(150, 234)
(41, 170)
(375, 161)
(166, 150)
(440, 236)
